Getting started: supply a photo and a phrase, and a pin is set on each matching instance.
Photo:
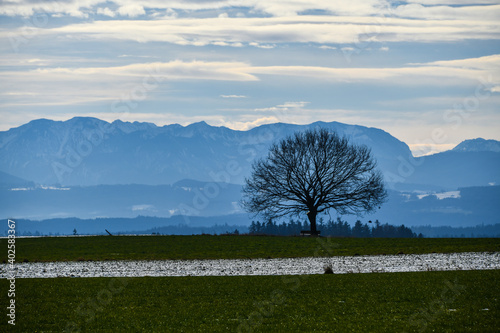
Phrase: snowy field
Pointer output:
(286, 266)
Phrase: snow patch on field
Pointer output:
(231, 267)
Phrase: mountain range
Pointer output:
(89, 151)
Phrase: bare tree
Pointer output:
(312, 172)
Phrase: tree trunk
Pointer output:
(311, 215)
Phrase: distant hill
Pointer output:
(112, 209)
(217, 202)
(10, 181)
(464, 207)
(479, 144)
(451, 169)
(187, 197)
(138, 225)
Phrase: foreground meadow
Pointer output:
(373, 302)
(230, 247)
(377, 302)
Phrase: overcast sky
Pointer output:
(426, 71)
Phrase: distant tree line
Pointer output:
(478, 231)
(222, 229)
(337, 228)
(332, 228)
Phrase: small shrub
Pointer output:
(328, 269)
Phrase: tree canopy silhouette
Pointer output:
(312, 172)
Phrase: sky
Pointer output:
(426, 71)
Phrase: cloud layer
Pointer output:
(321, 29)
(408, 67)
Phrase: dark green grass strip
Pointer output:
(462, 301)
(229, 247)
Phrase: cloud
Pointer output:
(143, 207)
(106, 11)
(244, 125)
(131, 10)
(453, 2)
(86, 85)
(491, 62)
(406, 75)
(81, 85)
(261, 46)
(55, 8)
(285, 107)
(293, 105)
(466, 13)
(173, 70)
(415, 9)
(170, 14)
(270, 7)
(233, 96)
(267, 32)
(452, 72)
(424, 149)
(326, 47)
(347, 49)
(237, 71)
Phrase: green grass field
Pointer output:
(377, 302)
(229, 247)
(461, 301)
